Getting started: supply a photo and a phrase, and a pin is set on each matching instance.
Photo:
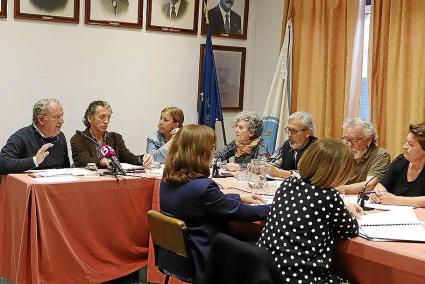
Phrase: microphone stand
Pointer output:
(361, 197)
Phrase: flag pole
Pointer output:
(207, 22)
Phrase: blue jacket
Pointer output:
(205, 210)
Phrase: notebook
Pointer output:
(394, 225)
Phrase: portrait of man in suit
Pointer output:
(174, 9)
(222, 19)
(50, 5)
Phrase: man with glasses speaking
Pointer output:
(40, 145)
(300, 132)
(371, 161)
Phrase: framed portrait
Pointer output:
(3, 8)
(66, 11)
(230, 67)
(175, 16)
(227, 18)
(115, 13)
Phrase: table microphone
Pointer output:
(219, 158)
(108, 152)
(362, 194)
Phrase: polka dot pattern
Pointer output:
(301, 230)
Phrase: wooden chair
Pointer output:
(170, 243)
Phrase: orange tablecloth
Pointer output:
(88, 231)
(363, 261)
(370, 262)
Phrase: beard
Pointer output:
(358, 154)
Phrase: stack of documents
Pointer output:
(394, 225)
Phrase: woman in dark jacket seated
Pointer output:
(248, 144)
(188, 194)
(308, 215)
(404, 183)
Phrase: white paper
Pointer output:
(56, 179)
(400, 224)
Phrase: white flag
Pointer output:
(277, 108)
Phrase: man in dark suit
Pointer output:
(174, 9)
(222, 19)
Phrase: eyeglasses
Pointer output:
(351, 140)
(293, 131)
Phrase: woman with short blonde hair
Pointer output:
(308, 215)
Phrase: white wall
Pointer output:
(137, 71)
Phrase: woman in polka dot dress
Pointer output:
(308, 215)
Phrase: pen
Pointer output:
(32, 175)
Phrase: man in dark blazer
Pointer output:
(222, 19)
(180, 7)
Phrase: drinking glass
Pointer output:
(256, 175)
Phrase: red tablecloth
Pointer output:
(88, 231)
(363, 261)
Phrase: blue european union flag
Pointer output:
(210, 101)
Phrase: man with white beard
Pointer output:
(371, 161)
(300, 132)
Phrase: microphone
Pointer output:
(220, 157)
(362, 194)
(276, 156)
(108, 152)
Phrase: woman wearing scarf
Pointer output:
(248, 144)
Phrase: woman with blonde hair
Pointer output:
(404, 183)
(308, 215)
(170, 121)
(187, 193)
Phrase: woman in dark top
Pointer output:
(404, 183)
(308, 215)
(188, 194)
(248, 144)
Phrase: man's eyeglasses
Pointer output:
(353, 141)
(293, 131)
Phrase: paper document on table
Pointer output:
(385, 206)
(401, 224)
(130, 167)
(56, 179)
(62, 172)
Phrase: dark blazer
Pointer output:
(181, 12)
(205, 210)
(285, 153)
(85, 151)
(17, 155)
(216, 22)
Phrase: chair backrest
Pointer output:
(167, 232)
(233, 261)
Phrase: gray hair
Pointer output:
(368, 129)
(41, 106)
(254, 122)
(303, 118)
(91, 109)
